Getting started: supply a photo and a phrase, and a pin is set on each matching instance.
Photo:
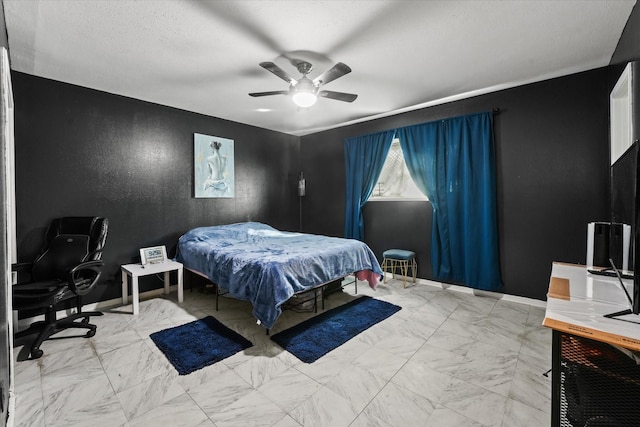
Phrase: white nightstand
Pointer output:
(137, 270)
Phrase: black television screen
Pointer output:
(625, 171)
(636, 234)
(625, 208)
(623, 187)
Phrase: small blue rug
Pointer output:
(315, 337)
(197, 344)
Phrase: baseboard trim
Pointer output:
(483, 293)
(96, 306)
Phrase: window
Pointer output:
(395, 182)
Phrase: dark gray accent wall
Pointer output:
(552, 155)
(85, 152)
(382, 231)
(3, 28)
(628, 48)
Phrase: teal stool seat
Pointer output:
(394, 259)
(400, 254)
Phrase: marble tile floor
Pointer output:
(448, 358)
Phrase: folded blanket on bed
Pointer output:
(257, 263)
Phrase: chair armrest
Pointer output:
(84, 276)
(21, 267)
(22, 271)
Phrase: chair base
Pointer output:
(393, 264)
(47, 328)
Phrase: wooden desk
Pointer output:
(576, 304)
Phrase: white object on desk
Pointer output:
(153, 255)
(138, 270)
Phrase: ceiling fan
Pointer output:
(305, 91)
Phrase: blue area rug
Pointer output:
(197, 344)
(315, 337)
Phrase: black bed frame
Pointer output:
(326, 289)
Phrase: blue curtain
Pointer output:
(452, 161)
(364, 158)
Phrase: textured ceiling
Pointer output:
(203, 56)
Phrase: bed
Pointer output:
(260, 264)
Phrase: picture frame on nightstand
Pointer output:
(153, 255)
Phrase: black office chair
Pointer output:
(68, 267)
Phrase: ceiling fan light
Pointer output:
(304, 99)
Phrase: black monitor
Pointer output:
(625, 171)
(635, 230)
(625, 208)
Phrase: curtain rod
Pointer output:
(494, 110)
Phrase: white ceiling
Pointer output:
(203, 56)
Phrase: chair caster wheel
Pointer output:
(90, 333)
(36, 354)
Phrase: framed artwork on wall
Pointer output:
(214, 174)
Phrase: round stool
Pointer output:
(399, 258)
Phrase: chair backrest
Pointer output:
(94, 227)
(64, 252)
(69, 241)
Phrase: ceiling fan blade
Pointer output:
(339, 96)
(273, 68)
(273, 92)
(333, 73)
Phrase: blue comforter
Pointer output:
(257, 263)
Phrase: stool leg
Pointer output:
(405, 268)
(413, 269)
(399, 266)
